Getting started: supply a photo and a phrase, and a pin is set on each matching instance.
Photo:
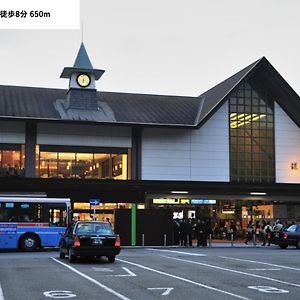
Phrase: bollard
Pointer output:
(187, 241)
(165, 240)
(209, 240)
(143, 240)
(231, 238)
(254, 240)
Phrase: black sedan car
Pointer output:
(89, 239)
(289, 236)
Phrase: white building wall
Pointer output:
(188, 154)
(12, 132)
(287, 147)
(83, 135)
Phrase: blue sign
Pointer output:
(94, 201)
(202, 201)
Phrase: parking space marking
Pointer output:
(182, 279)
(92, 280)
(259, 262)
(1, 293)
(179, 252)
(234, 271)
(269, 269)
(129, 273)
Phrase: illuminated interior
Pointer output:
(82, 165)
(12, 160)
(251, 120)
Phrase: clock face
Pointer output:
(83, 80)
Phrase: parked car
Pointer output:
(289, 236)
(89, 239)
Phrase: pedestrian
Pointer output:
(201, 234)
(249, 234)
(189, 232)
(176, 231)
(257, 230)
(182, 233)
(232, 231)
(267, 234)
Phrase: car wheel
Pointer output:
(298, 245)
(71, 257)
(111, 259)
(283, 246)
(61, 254)
(29, 242)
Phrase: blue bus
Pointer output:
(28, 223)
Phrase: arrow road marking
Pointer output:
(165, 293)
(126, 275)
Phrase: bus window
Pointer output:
(57, 216)
(7, 212)
(28, 212)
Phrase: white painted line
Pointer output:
(1, 293)
(270, 269)
(234, 271)
(259, 262)
(102, 269)
(178, 252)
(92, 280)
(182, 279)
(130, 274)
(166, 292)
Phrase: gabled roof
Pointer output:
(141, 109)
(261, 69)
(115, 108)
(214, 96)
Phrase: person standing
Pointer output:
(267, 234)
(249, 234)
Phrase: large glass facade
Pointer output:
(12, 158)
(251, 135)
(83, 165)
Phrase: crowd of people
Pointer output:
(260, 231)
(11, 171)
(187, 230)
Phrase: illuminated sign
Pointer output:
(166, 201)
(184, 201)
(203, 201)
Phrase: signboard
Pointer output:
(203, 201)
(8, 229)
(166, 201)
(95, 201)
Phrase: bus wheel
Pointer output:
(29, 242)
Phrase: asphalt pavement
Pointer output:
(219, 272)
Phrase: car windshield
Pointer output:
(93, 228)
(292, 228)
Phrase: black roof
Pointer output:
(140, 109)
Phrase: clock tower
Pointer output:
(82, 93)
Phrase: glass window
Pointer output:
(82, 165)
(48, 164)
(252, 123)
(11, 160)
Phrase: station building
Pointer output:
(232, 153)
